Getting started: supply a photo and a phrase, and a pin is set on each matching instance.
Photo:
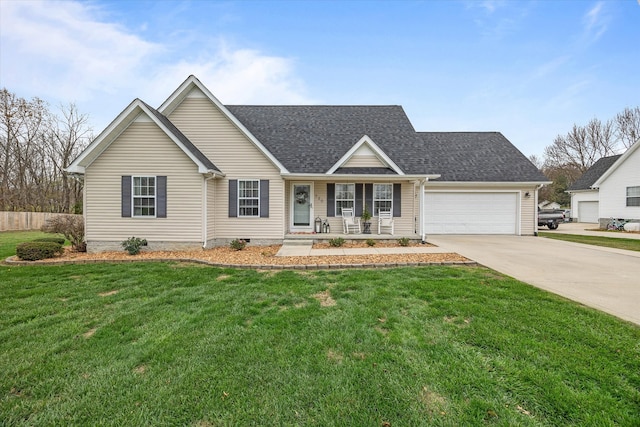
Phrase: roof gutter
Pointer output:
(351, 176)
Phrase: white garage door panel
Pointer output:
(470, 213)
(588, 211)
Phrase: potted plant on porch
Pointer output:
(366, 217)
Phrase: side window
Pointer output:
(633, 196)
(345, 197)
(144, 196)
(248, 197)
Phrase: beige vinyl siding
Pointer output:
(143, 149)
(211, 212)
(363, 161)
(528, 224)
(238, 158)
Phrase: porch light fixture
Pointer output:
(527, 194)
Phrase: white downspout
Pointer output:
(205, 211)
(423, 237)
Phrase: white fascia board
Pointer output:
(358, 177)
(451, 184)
(183, 90)
(106, 137)
(616, 164)
(374, 147)
(115, 128)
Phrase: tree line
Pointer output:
(36, 145)
(571, 154)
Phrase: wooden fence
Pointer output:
(18, 221)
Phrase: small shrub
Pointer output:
(238, 244)
(58, 240)
(133, 244)
(336, 242)
(371, 242)
(33, 251)
(71, 226)
(404, 241)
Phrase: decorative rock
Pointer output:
(632, 226)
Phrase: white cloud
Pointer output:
(596, 21)
(69, 52)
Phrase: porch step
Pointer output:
(297, 242)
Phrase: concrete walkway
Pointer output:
(588, 229)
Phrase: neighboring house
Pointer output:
(546, 204)
(608, 189)
(196, 172)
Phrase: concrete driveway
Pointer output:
(602, 278)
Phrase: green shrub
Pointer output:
(132, 245)
(371, 242)
(58, 240)
(238, 244)
(33, 251)
(404, 241)
(336, 242)
(71, 226)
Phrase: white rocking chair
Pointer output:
(385, 222)
(350, 223)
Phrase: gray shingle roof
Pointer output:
(311, 139)
(592, 174)
(183, 139)
(476, 156)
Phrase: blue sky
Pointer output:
(529, 69)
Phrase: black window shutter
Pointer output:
(126, 196)
(331, 200)
(368, 197)
(161, 197)
(233, 198)
(358, 209)
(264, 198)
(397, 200)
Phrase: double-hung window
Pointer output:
(144, 196)
(382, 198)
(633, 196)
(345, 197)
(248, 197)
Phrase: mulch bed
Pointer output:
(257, 257)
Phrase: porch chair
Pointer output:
(350, 223)
(385, 221)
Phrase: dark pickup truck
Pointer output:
(550, 217)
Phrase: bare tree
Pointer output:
(35, 147)
(628, 126)
(582, 146)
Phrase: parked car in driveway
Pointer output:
(550, 217)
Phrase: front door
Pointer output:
(302, 207)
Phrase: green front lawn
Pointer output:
(609, 242)
(178, 344)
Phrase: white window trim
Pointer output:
(373, 214)
(247, 198)
(631, 197)
(133, 196)
(335, 198)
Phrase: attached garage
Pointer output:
(588, 211)
(470, 212)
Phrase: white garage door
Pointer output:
(587, 211)
(470, 213)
